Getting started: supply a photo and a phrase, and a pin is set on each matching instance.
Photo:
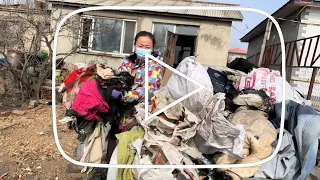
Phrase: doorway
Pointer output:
(177, 47)
(185, 47)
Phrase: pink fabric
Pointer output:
(89, 102)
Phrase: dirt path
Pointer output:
(27, 147)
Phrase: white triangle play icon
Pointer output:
(147, 116)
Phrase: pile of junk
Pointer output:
(235, 119)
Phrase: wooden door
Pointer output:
(169, 53)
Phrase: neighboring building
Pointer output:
(298, 19)
(300, 25)
(18, 33)
(203, 33)
(236, 53)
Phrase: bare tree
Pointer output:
(26, 43)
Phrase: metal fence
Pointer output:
(302, 65)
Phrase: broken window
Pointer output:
(86, 28)
(187, 30)
(159, 31)
(108, 35)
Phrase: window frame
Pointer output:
(175, 25)
(90, 39)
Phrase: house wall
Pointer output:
(309, 15)
(232, 56)
(212, 43)
(29, 31)
(254, 46)
(289, 31)
(302, 76)
(298, 77)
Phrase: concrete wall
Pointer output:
(254, 46)
(232, 56)
(302, 76)
(310, 15)
(212, 43)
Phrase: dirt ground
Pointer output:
(27, 147)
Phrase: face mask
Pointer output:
(142, 52)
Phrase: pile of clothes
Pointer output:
(235, 119)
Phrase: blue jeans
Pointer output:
(303, 122)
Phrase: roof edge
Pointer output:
(243, 39)
(218, 3)
(71, 4)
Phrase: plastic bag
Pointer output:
(217, 134)
(271, 83)
(178, 86)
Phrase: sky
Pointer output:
(250, 19)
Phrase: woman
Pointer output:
(135, 64)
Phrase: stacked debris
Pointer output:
(233, 120)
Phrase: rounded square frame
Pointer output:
(55, 131)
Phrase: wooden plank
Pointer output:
(169, 56)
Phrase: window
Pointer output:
(107, 35)
(159, 31)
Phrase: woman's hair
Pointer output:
(145, 33)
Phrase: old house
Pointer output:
(108, 36)
(236, 53)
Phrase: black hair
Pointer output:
(145, 33)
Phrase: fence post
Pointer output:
(265, 39)
(313, 78)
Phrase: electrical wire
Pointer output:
(239, 31)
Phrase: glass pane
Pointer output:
(159, 31)
(86, 27)
(187, 30)
(129, 33)
(107, 35)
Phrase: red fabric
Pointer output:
(74, 75)
(89, 102)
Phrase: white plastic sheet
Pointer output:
(215, 133)
(178, 86)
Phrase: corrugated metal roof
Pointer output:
(234, 15)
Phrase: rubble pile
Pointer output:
(235, 119)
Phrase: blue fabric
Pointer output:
(116, 94)
(1, 62)
(303, 122)
(285, 165)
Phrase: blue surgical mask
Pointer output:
(141, 53)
